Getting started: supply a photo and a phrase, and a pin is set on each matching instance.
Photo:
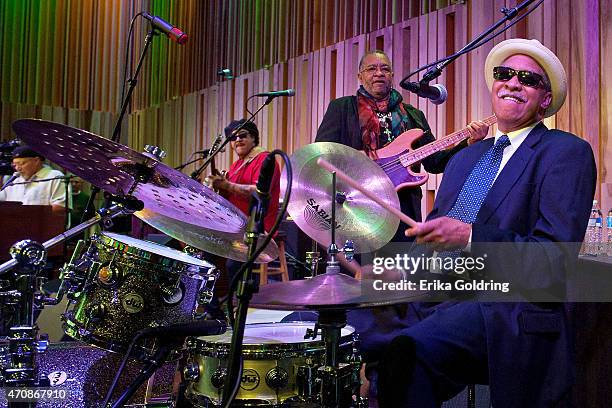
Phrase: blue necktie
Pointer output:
(474, 191)
(478, 183)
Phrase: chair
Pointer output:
(266, 270)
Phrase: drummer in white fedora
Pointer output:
(529, 188)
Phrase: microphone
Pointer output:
(225, 73)
(10, 180)
(173, 32)
(181, 330)
(274, 94)
(260, 198)
(437, 93)
(265, 175)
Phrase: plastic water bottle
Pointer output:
(608, 245)
(592, 238)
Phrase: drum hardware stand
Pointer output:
(244, 293)
(338, 380)
(24, 342)
(155, 362)
(89, 207)
(312, 260)
(246, 285)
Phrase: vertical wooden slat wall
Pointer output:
(63, 60)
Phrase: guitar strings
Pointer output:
(397, 162)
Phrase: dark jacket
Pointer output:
(541, 198)
(341, 125)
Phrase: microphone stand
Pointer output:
(196, 174)
(244, 293)
(436, 70)
(66, 207)
(89, 208)
(182, 166)
(158, 359)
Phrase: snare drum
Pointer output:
(127, 285)
(279, 365)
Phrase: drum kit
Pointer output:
(119, 287)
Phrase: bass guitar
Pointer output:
(398, 156)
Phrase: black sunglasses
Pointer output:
(239, 136)
(526, 78)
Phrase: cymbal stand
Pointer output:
(19, 355)
(339, 380)
(89, 207)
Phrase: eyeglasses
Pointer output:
(371, 69)
(239, 136)
(526, 78)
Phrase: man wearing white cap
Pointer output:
(530, 187)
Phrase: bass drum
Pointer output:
(279, 365)
(80, 375)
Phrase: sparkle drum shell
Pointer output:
(129, 285)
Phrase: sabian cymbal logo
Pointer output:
(317, 217)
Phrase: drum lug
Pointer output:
(277, 378)
(307, 383)
(218, 378)
(173, 294)
(109, 275)
(205, 294)
(191, 372)
(41, 345)
(337, 385)
(96, 312)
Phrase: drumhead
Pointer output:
(158, 249)
(273, 333)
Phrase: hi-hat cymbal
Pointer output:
(328, 291)
(358, 218)
(173, 202)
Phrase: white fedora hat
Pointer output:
(542, 55)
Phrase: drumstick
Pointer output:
(331, 168)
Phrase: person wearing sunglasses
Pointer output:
(368, 120)
(528, 190)
(238, 183)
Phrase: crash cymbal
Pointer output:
(226, 244)
(174, 203)
(114, 168)
(328, 291)
(358, 218)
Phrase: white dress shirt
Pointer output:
(52, 192)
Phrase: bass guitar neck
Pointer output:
(397, 157)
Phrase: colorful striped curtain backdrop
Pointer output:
(63, 60)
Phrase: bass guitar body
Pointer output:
(389, 158)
